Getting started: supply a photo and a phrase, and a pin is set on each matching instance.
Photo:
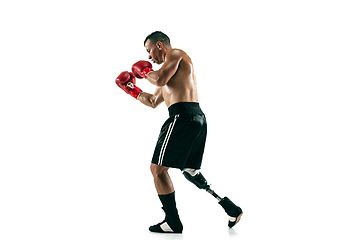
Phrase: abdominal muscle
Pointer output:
(172, 95)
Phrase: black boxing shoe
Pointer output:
(165, 227)
(171, 224)
(232, 210)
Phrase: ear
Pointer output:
(159, 45)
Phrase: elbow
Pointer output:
(153, 104)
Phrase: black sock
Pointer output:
(172, 223)
(169, 204)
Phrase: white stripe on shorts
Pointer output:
(166, 140)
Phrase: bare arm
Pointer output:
(152, 100)
(169, 68)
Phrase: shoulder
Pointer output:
(175, 54)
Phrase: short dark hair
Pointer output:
(158, 36)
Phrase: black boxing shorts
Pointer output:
(182, 138)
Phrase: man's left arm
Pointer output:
(169, 68)
(164, 74)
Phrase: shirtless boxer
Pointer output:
(182, 137)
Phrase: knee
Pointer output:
(153, 169)
(158, 171)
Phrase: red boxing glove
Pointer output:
(126, 81)
(141, 69)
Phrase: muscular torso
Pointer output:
(182, 86)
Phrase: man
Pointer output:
(182, 138)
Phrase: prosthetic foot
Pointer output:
(230, 208)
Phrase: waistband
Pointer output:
(184, 107)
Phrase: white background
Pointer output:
(278, 81)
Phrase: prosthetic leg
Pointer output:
(230, 208)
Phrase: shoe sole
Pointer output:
(237, 219)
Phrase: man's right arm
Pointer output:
(152, 100)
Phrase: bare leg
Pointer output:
(166, 192)
(162, 180)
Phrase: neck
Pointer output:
(167, 49)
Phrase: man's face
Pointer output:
(154, 52)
